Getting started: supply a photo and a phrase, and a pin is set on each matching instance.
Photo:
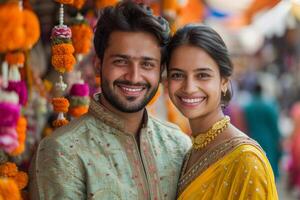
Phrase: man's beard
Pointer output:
(113, 99)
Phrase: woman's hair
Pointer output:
(130, 17)
(209, 40)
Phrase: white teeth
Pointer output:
(132, 89)
(194, 100)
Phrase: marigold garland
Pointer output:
(65, 1)
(21, 179)
(21, 130)
(103, 3)
(63, 63)
(81, 37)
(20, 88)
(78, 4)
(62, 57)
(18, 151)
(8, 169)
(15, 58)
(59, 122)
(12, 34)
(60, 104)
(32, 29)
(9, 189)
(61, 49)
(78, 111)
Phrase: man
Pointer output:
(116, 151)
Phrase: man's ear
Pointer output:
(97, 64)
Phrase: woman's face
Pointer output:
(194, 82)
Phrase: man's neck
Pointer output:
(132, 121)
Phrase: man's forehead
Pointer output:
(133, 45)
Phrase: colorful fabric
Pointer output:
(93, 158)
(261, 117)
(235, 169)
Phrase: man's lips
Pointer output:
(130, 90)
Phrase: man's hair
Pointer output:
(128, 16)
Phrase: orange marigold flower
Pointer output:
(9, 189)
(12, 34)
(63, 63)
(78, 111)
(60, 104)
(17, 58)
(8, 169)
(61, 49)
(78, 4)
(103, 3)
(21, 179)
(21, 130)
(81, 38)
(65, 1)
(59, 122)
(19, 150)
(31, 27)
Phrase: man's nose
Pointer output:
(133, 74)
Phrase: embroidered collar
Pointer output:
(108, 117)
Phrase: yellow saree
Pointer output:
(235, 169)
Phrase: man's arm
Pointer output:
(56, 173)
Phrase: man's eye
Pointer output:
(148, 64)
(120, 62)
(176, 76)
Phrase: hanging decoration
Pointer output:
(81, 36)
(62, 61)
(12, 34)
(9, 189)
(21, 131)
(78, 4)
(10, 170)
(10, 112)
(99, 4)
(79, 97)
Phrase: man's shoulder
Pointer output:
(164, 124)
(165, 127)
(76, 129)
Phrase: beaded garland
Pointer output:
(203, 139)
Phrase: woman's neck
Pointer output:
(202, 124)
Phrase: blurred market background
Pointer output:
(38, 93)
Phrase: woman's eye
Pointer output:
(203, 75)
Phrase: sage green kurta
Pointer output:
(93, 158)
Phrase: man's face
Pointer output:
(130, 70)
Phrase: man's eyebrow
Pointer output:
(147, 58)
(120, 55)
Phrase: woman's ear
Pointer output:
(224, 85)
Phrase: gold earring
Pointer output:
(224, 93)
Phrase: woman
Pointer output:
(223, 163)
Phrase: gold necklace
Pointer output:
(203, 139)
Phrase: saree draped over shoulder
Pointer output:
(235, 169)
